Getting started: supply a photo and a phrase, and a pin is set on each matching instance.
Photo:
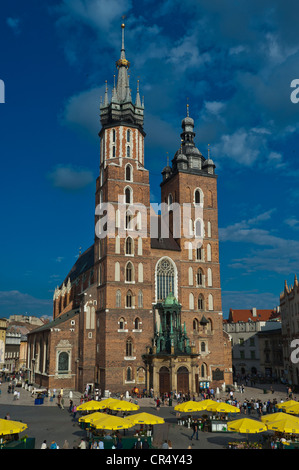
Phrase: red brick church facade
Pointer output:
(142, 306)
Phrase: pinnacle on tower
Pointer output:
(121, 107)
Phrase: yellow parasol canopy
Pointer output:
(246, 426)
(292, 409)
(203, 404)
(11, 427)
(286, 425)
(277, 417)
(145, 418)
(223, 408)
(112, 423)
(92, 405)
(188, 406)
(286, 404)
(123, 406)
(91, 417)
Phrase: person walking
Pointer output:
(165, 445)
(53, 445)
(66, 445)
(44, 445)
(195, 430)
(82, 444)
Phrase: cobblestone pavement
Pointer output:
(48, 421)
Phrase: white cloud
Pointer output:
(186, 54)
(213, 107)
(292, 222)
(81, 112)
(242, 146)
(247, 300)
(14, 24)
(95, 13)
(18, 301)
(69, 178)
(279, 255)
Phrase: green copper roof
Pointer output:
(171, 300)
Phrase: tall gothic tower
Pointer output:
(122, 257)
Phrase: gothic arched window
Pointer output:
(164, 278)
(118, 299)
(63, 363)
(200, 302)
(129, 348)
(198, 232)
(129, 246)
(129, 299)
(128, 195)
(129, 374)
(129, 272)
(140, 299)
(128, 172)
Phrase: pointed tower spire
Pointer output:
(123, 65)
(128, 93)
(114, 93)
(121, 106)
(138, 100)
(106, 101)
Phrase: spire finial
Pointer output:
(187, 107)
(123, 33)
(167, 158)
(209, 150)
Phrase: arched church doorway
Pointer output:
(183, 380)
(164, 380)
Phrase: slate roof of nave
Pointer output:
(83, 264)
(55, 323)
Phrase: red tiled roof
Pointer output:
(244, 315)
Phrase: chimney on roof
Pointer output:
(253, 310)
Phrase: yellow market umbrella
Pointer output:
(112, 423)
(286, 404)
(203, 404)
(123, 406)
(145, 418)
(91, 406)
(293, 409)
(91, 417)
(97, 405)
(277, 417)
(223, 408)
(246, 426)
(288, 426)
(11, 427)
(187, 406)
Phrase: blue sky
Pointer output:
(234, 61)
